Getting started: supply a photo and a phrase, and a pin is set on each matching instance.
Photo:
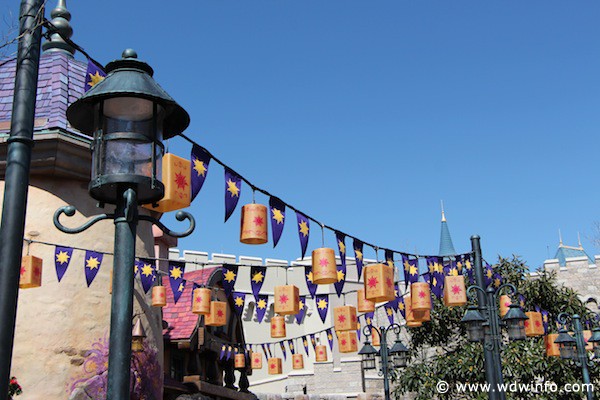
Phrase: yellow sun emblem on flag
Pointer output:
(390, 311)
(401, 306)
(322, 304)
(95, 79)
(92, 263)
(303, 228)
(229, 276)
(232, 188)
(62, 257)
(262, 304)
(199, 167)
(340, 276)
(176, 273)
(181, 287)
(300, 305)
(342, 246)
(258, 277)
(358, 254)
(277, 215)
(453, 272)
(239, 301)
(309, 277)
(407, 265)
(413, 270)
(147, 270)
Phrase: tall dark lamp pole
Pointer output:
(573, 348)
(396, 357)
(484, 325)
(128, 114)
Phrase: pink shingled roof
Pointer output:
(182, 322)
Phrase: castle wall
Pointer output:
(579, 275)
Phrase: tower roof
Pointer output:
(446, 245)
(563, 252)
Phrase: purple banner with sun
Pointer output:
(62, 258)
(277, 212)
(233, 189)
(200, 160)
(303, 231)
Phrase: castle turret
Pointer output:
(446, 245)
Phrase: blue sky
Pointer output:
(365, 115)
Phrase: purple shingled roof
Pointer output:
(60, 83)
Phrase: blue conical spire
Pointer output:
(446, 246)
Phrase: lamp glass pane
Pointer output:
(128, 108)
(474, 332)
(516, 330)
(400, 360)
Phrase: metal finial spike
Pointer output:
(443, 216)
(560, 242)
(579, 240)
(138, 330)
(62, 28)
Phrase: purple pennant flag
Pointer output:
(291, 346)
(239, 299)
(322, 303)
(488, 274)
(358, 333)
(358, 256)
(257, 278)
(522, 301)
(282, 345)
(497, 280)
(200, 160)
(303, 231)
(223, 349)
(545, 320)
(394, 303)
(369, 318)
(305, 343)
(92, 265)
(194, 287)
(262, 302)
(468, 265)
(264, 347)
(401, 306)
(411, 269)
(147, 273)
(229, 352)
(176, 270)
(94, 75)
(341, 269)
(233, 188)
(62, 258)
(312, 287)
(389, 259)
(436, 275)
(460, 263)
(389, 311)
(330, 338)
(427, 278)
(229, 276)
(277, 209)
(302, 310)
(313, 341)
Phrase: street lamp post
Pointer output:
(573, 348)
(484, 325)
(396, 357)
(128, 114)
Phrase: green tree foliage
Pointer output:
(440, 351)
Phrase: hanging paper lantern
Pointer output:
(297, 361)
(552, 349)
(422, 316)
(201, 301)
(287, 300)
(347, 341)
(321, 353)
(274, 366)
(504, 304)
(277, 327)
(31, 272)
(455, 293)
(364, 305)
(587, 334)
(420, 296)
(218, 314)
(239, 361)
(324, 269)
(176, 176)
(159, 296)
(534, 325)
(254, 224)
(410, 317)
(375, 338)
(344, 318)
(379, 282)
(256, 360)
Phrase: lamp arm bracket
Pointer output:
(367, 330)
(472, 291)
(69, 211)
(563, 318)
(180, 216)
(380, 372)
(489, 345)
(512, 290)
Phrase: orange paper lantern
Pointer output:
(176, 178)
(375, 338)
(239, 361)
(159, 296)
(364, 305)
(344, 318)
(297, 361)
(587, 334)
(552, 349)
(422, 316)
(534, 325)
(218, 314)
(455, 293)
(201, 301)
(379, 282)
(31, 272)
(324, 269)
(287, 300)
(321, 353)
(256, 360)
(420, 296)
(347, 341)
(254, 224)
(410, 317)
(274, 366)
(277, 327)
(504, 304)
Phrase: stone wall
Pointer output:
(579, 275)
